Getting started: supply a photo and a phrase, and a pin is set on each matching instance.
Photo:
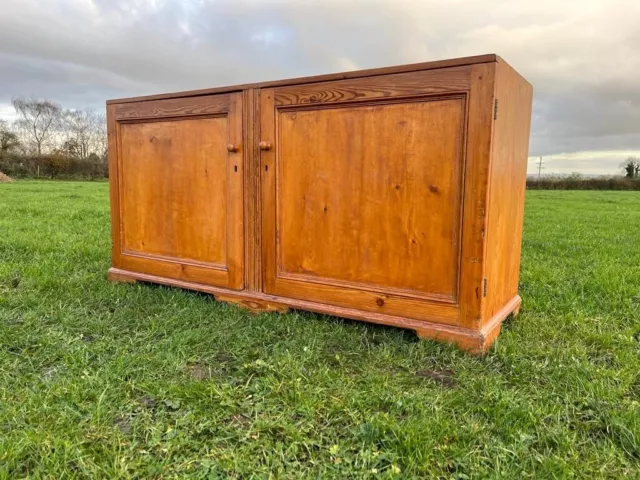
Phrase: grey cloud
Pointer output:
(581, 57)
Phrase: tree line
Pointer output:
(47, 140)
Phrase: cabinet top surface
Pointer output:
(455, 62)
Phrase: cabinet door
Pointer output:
(363, 191)
(178, 191)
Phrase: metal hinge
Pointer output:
(484, 287)
(495, 109)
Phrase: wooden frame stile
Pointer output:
(253, 256)
(114, 195)
(479, 127)
(462, 299)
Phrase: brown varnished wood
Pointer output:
(173, 107)
(329, 165)
(268, 191)
(507, 179)
(114, 186)
(433, 65)
(370, 301)
(179, 195)
(474, 205)
(253, 242)
(397, 166)
(120, 276)
(387, 195)
(472, 340)
(175, 189)
(252, 304)
(235, 202)
(399, 85)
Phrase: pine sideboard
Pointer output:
(393, 195)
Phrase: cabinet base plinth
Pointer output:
(120, 276)
(474, 341)
(254, 306)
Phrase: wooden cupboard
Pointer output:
(393, 196)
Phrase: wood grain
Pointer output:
(475, 195)
(389, 162)
(401, 85)
(177, 195)
(172, 268)
(175, 187)
(235, 203)
(253, 305)
(171, 108)
(396, 168)
(268, 190)
(507, 182)
(114, 185)
(253, 237)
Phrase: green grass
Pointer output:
(114, 380)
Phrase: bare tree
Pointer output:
(77, 126)
(100, 136)
(9, 141)
(631, 167)
(38, 120)
(84, 131)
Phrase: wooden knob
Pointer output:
(265, 145)
(232, 147)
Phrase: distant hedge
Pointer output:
(53, 166)
(576, 182)
(69, 168)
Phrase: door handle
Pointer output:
(265, 145)
(232, 147)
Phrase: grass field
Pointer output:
(109, 380)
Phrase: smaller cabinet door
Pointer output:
(179, 189)
(363, 191)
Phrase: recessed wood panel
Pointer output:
(369, 196)
(174, 188)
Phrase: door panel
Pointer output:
(175, 196)
(367, 194)
(181, 194)
(362, 192)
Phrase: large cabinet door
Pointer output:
(179, 192)
(363, 191)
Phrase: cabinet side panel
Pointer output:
(507, 183)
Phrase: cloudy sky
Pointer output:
(582, 56)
